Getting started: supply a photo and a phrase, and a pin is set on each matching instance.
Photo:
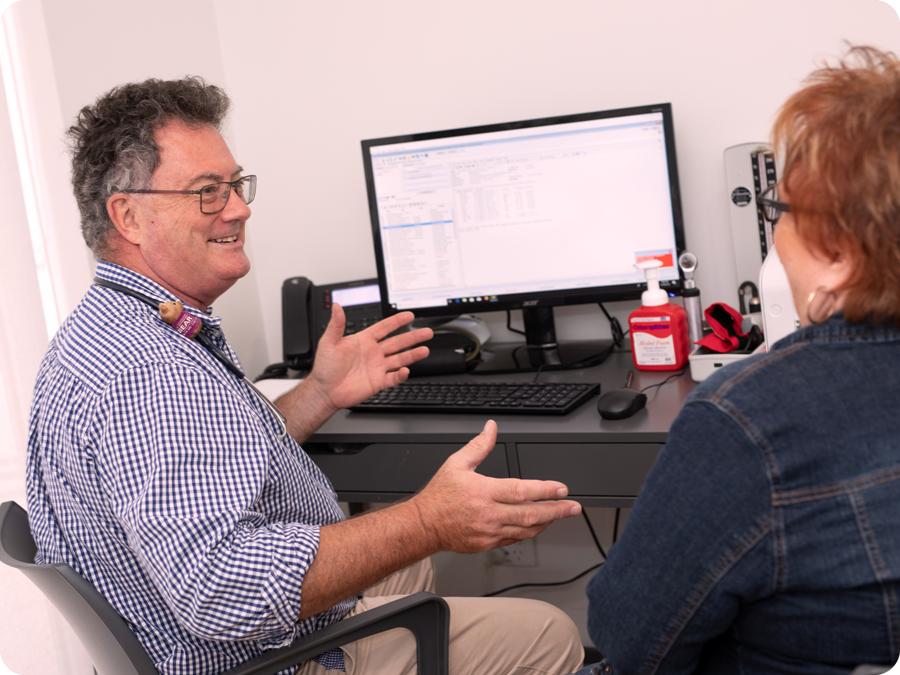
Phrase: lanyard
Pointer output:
(208, 344)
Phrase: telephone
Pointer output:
(306, 310)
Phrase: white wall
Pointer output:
(310, 80)
(313, 79)
(98, 44)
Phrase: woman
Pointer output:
(767, 537)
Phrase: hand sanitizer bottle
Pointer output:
(658, 328)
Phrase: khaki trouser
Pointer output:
(488, 636)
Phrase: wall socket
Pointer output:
(523, 554)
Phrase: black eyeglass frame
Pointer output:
(772, 208)
(249, 181)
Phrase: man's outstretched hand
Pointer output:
(459, 510)
(467, 512)
(349, 369)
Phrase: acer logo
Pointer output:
(530, 303)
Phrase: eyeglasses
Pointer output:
(214, 197)
(771, 207)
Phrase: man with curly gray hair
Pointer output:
(114, 146)
(157, 471)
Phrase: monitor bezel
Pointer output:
(539, 299)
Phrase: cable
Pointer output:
(567, 581)
(614, 327)
(671, 377)
(748, 288)
(538, 373)
(509, 327)
(515, 358)
(555, 583)
(616, 526)
(448, 329)
(575, 578)
(275, 370)
(587, 362)
(593, 534)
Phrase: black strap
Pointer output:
(106, 283)
(203, 339)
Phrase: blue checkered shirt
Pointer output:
(161, 478)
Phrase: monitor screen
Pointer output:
(530, 214)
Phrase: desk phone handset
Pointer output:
(306, 309)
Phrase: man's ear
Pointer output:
(123, 213)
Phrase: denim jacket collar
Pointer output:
(837, 329)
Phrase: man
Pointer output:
(167, 482)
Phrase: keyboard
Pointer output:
(540, 398)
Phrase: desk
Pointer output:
(380, 457)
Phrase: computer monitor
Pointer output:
(526, 215)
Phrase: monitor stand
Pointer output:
(540, 350)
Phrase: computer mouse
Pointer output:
(617, 404)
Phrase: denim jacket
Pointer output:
(766, 538)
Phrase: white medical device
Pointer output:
(749, 169)
(779, 317)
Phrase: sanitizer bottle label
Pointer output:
(654, 342)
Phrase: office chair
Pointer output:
(114, 649)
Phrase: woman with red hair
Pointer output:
(767, 537)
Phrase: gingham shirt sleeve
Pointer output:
(184, 462)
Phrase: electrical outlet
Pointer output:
(522, 554)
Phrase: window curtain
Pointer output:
(34, 639)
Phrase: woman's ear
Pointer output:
(840, 267)
(124, 215)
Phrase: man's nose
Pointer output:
(236, 208)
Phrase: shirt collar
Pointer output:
(138, 282)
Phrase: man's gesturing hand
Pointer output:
(459, 510)
(350, 369)
(467, 512)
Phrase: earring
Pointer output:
(818, 306)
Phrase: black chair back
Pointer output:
(114, 649)
(112, 646)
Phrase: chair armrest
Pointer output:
(426, 615)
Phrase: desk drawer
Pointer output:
(397, 468)
(590, 469)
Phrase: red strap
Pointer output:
(726, 324)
